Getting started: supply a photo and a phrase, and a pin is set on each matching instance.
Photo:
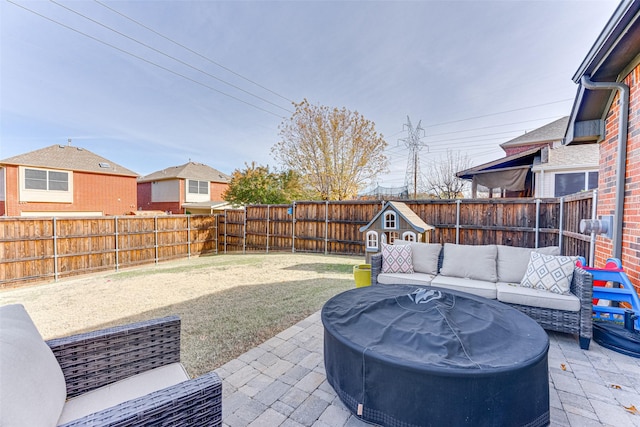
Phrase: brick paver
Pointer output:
(282, 383)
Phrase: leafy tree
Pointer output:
(441, 179)
(335, 151)
(258, 185)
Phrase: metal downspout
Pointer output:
(621, 161)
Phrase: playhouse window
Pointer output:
(409, 236)
(390, 220)
(372, 240)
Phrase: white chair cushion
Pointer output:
(470, 286)
(513, 261)
(122, 391)
(405, 278)
(424, 255)
(514, 294)
(470, 261)
(32, 385)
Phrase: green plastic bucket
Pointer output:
(362, 275)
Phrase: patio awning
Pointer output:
(511, 179)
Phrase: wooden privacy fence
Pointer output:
(51, 248)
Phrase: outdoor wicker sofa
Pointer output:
(570, 313)
(94, 366)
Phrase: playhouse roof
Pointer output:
(406, 213)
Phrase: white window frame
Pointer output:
(409, 236)
(45, 194)
(390, 220)
(372, 240)
(199, 185)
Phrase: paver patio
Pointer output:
(282, 383)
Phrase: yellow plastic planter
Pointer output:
(362, 275)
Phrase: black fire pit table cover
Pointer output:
(405, 355)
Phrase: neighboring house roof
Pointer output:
(553, 131)
(617, 46)
(575, 157)
(191, 170)
(68, 157)
(406, 213)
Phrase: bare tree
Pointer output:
(441, 179)
(336, 151)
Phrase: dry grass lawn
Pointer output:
(227, 303)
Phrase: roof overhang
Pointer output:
(515, 161)
(615, 49)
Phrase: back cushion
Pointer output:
(424, 255)
(470, 261)
(32, 389)
(513, 261)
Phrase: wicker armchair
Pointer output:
(95, 359)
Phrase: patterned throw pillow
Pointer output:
(396, 259)
(549, 273)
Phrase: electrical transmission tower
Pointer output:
(413, 177)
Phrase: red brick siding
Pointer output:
(216, 189)
(607, 179)
(109, 194)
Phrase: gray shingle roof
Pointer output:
(191, 170)
(553, 131)
(68, 157)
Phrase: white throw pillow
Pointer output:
(424, 255)
(470, 261)
(396, 259)
(549, 273)
(32, 386)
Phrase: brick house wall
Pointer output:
(607, 179)
(216, 190)
(145, 203)
(109, 194)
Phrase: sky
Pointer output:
(154, 84)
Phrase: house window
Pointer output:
(390, 220)
(391, 237)
(570, 183)
(409, 236)
(47, 180)
(198, 187)
(372, 240)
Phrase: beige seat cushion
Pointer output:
(471, 286)
(513, 261)
(424, 255)
(476, 262)
(405, 278)
(32, 385)
(122, 391)
(513, 294)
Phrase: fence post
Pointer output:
(268, 228)
(55, 250)
(326, 227)
(189, 236)
(592, 241)
(458, 203)
(561, 223)
(155, 238)
(115, 221)
(293, 226)
(537, 221)
(225, 231)
(244, 231)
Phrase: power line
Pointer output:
(143, 59)
(501, 112)
(167, 55)
(192, 51)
